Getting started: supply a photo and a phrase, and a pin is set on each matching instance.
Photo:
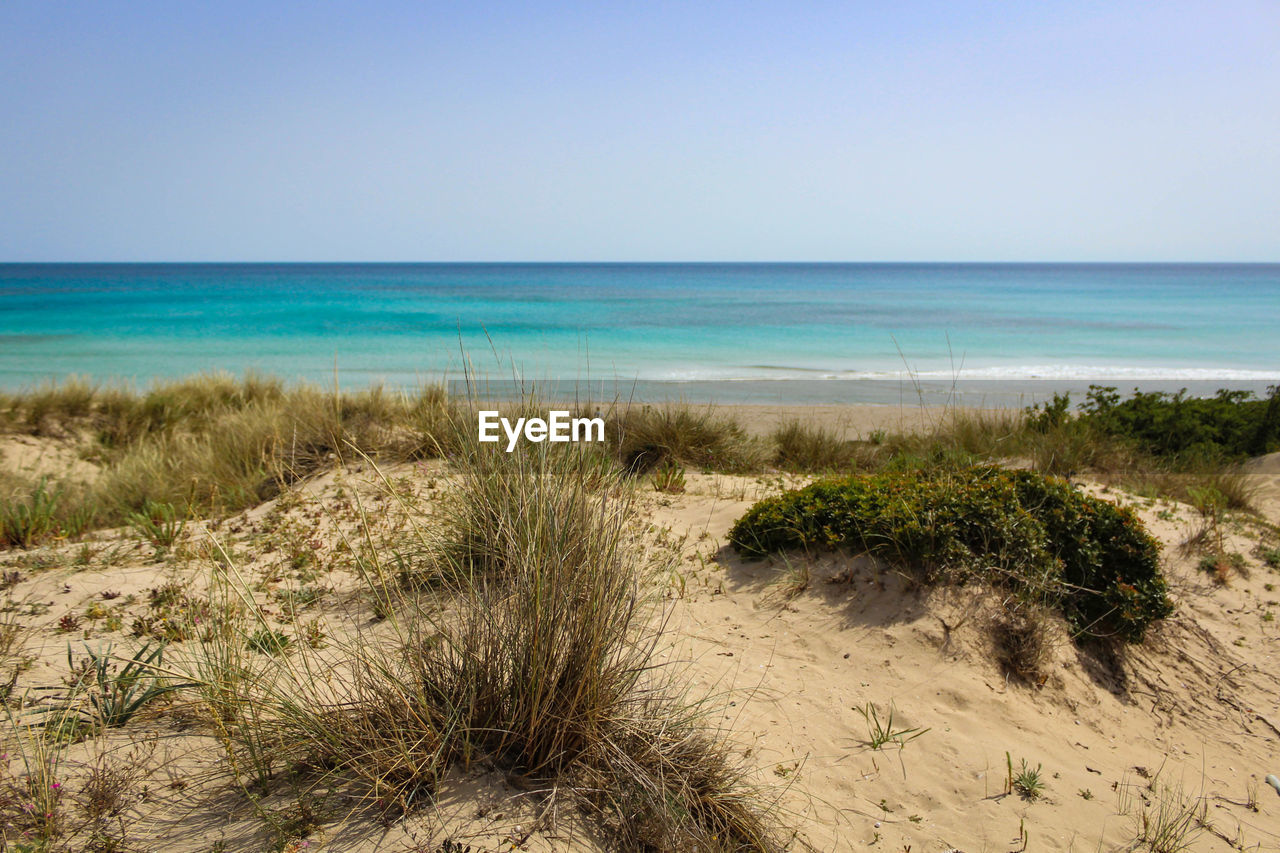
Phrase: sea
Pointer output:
(734, 333)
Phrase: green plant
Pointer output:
(1026, 783)
(117, 689)
(1165, 820)
(669, 478)
(25, 521)
(268, 642)
(1053, 545)
(1220, 566)
(881, 732)
(158, 523)
(1050, 414)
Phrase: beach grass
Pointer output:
(214, 444)
(646, 436)
(527, 640)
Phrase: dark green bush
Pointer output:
(1047, 416)
(1036, 534)
(1228, 425)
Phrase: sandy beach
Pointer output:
(799, 661)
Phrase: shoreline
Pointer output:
(895, 393)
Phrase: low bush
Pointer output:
(1036, 534)
(1228, 425)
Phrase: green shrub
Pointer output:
(1049, 415)
(1228, 425)
(1036, 534)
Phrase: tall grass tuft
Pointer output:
(810, 448)
(647, 436)
(532, 647)
(215, 444)
(50, 408)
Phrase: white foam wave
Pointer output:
(1054, 372)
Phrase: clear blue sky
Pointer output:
(645, 131)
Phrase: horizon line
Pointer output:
(645, 263)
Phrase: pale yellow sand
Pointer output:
(1192, 715)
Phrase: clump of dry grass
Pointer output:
(31, 809)
(646, 436)
(810, 448)
(1228, 488)
(531, 648)
(1075, 447)
(207, 445)
(50, 408)
(985, 434)
(14, 635)
(1023, 647)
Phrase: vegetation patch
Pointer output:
(645, 437)
(808, 447)
(1229, 425)
(1035, 534)
(528, 641)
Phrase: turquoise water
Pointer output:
(402, 324)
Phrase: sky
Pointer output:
(647, 131)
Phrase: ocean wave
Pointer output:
(1051, 372)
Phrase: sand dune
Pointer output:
(1188, 723)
